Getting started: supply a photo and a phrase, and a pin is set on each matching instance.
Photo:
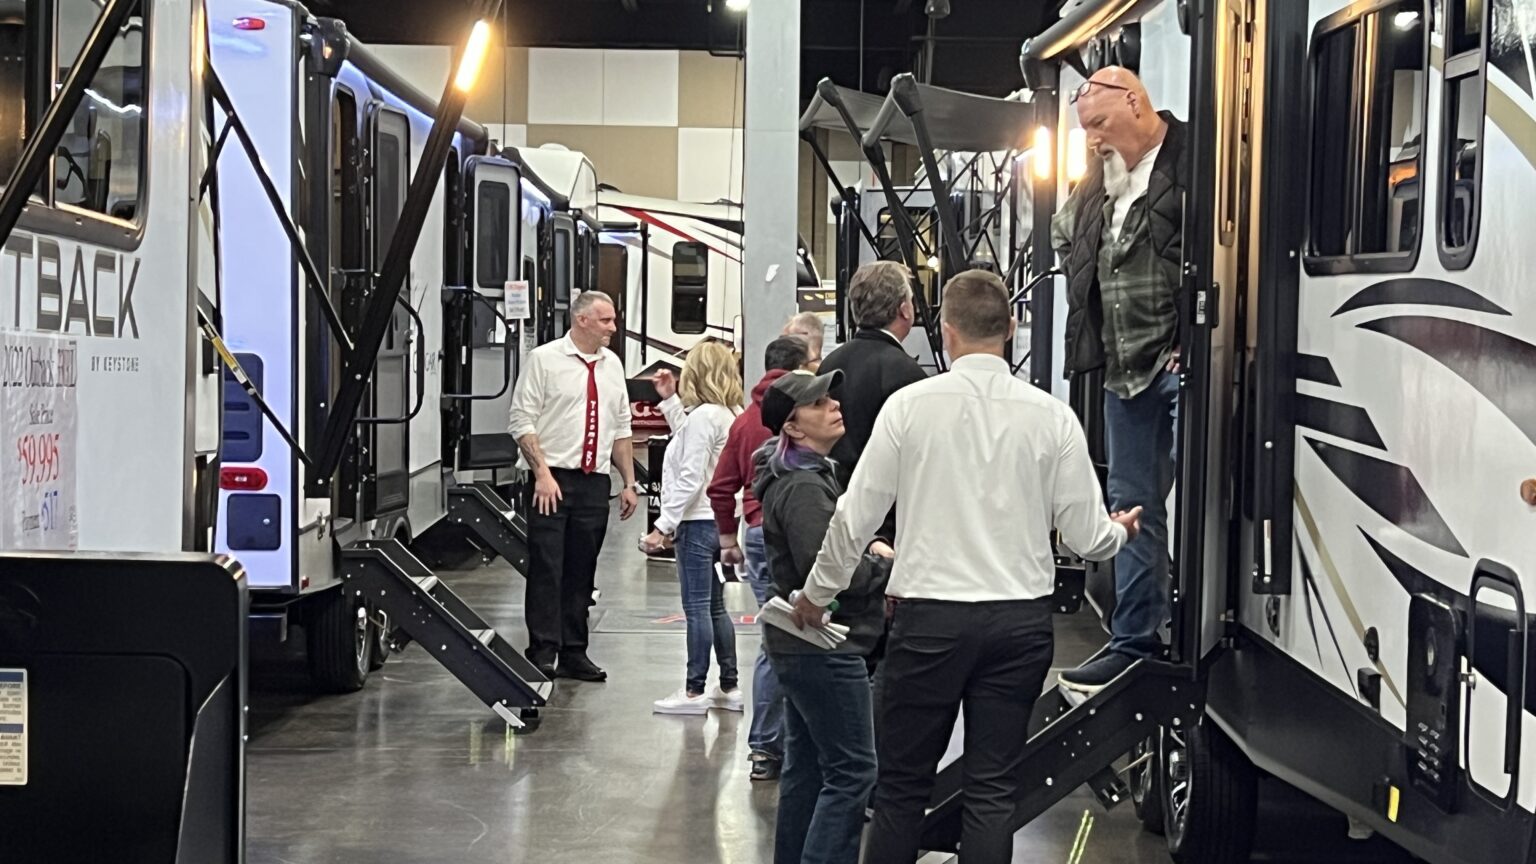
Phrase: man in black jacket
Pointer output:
(1120, 237)
(873, 363)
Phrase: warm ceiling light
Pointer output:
(737, 5)
(474, 55)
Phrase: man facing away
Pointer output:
(733, 475)
(1120, 238)
(985, 465)
(570, 417)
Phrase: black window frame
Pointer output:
(694, 288)
(1470, 64)
(1402, 261)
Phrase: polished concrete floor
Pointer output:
(414, 770)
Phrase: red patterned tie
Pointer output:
(589, 438)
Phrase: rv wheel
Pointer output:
(338, 641)
(1146, 779)
(1210, 796)
(378, 638)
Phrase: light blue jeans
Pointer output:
(767, 735)
(709, 625)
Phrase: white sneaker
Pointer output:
(681, 703)
(725, 701)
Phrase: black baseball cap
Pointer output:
(792, 390)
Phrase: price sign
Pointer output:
(519, 307)
(38, 378)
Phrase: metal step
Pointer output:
(1075, 741)
(421, 605)
(478, 507)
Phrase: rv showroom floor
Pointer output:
(414, 769)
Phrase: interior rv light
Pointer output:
(247, 479)
(1077, 155)
(249, 23)
(474, 55)
(1043, 153)
(737, 5)
(1406, 19)
(933, 262)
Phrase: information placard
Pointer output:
(13, 727)
(38, 388)
(517, 301)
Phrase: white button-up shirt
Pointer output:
(984, 465)
(551, 400)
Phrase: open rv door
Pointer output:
(485, 316)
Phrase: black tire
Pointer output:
(1210, 796)
(1146, 782)
(378, 639)
(337, 642)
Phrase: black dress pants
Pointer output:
(562, 565)
(992, 658)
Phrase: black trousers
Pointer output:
(993, 659)
(562, 565)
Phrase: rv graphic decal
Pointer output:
(60, 286)
(1420, 292)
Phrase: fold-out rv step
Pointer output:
(478, 507)
(390, 578)
(1075, 741)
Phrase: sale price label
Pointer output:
(38, 378)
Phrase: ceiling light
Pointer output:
(737, 5)
(937, 8)
(1406, 19)
(474, 55)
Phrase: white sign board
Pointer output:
(38, 377)
(519, 307)
(13, 727)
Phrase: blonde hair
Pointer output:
(710, 376)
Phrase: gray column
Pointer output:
(771, 180)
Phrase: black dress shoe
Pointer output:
(581, 668)
(545, 665)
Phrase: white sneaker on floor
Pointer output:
(725, 701)
(681, 703)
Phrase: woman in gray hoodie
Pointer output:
(829, 742)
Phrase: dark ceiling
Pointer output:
(975, 48)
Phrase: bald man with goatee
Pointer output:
(1119, 236)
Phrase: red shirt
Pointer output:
(734, 472)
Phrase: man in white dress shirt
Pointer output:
(985, 465)
(570, 416)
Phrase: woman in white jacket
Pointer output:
(711, 397)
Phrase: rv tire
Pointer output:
(1146, 782)
(1210, 795)
(337, 640)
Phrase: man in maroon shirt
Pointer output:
(733, 474)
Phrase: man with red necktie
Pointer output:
(570, 417)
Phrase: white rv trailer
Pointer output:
(1355, 483)
(687, 286)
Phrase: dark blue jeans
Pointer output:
(767, 735)
(829, 758)
(704, 605)
(1140, 433)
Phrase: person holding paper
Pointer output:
(829, 739)
(985, 465)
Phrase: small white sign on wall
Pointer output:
(517, 301)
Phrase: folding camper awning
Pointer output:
(955, 121)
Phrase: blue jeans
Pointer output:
(767, 735)
(829, 758)
(1140, 432)
(704, 605)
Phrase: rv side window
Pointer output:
(1370, 75)
(493, 237)
(690, 287)
(613, 272)
(562, 266)
(15, 84)
(99, 163)
(391, 173)
(1461, 124)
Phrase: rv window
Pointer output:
(14, 84)
(99, 162)
(690, 287)
(1461, 125)
(1370, 76)
(391, 173)
(493, 237)
(613, 272)
(562, 266)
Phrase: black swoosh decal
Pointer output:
(1311, 367)
(1498, 366)
(1392, 491)
(1423, 292)
(1350, 422)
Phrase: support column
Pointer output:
(771, 180)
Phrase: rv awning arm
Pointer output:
(40, 148)
(307, 264)
(829, 95)
(1078, 27)
(379, 309)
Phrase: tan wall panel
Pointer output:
(641, 160)
(708, 89)
(504, 77)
